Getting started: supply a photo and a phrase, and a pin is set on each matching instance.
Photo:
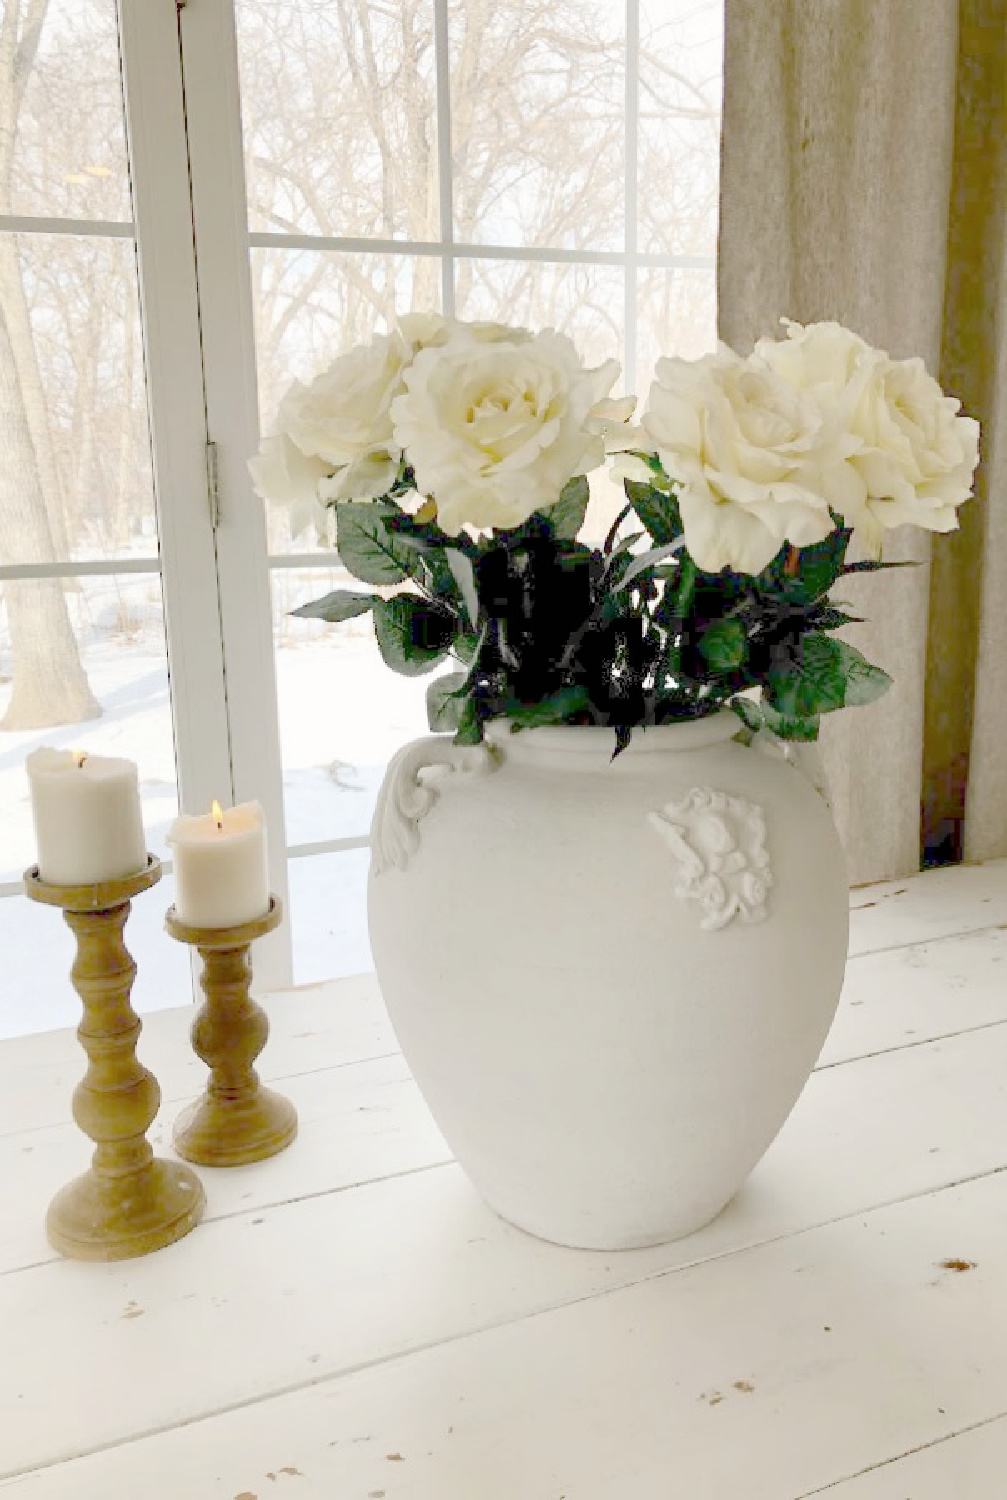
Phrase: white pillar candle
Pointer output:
(86, 811)
(220, 866)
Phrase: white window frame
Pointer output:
(211, 565)
(201, 390)
(223, 241)
(183, 123)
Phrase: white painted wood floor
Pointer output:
(350, 1323)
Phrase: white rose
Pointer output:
(610, 419)
(822, 358)
(283, 475)
(632, 467)
(343, 417)
(493, 430)
(901, 454)
(431, 330)
(741, 445)
(368, 477)
(624, 440)
(916, 457)
(423, 330)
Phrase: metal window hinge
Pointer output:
(212, 485)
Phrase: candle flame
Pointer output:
(218, 814)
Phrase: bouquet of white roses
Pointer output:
(455, 456)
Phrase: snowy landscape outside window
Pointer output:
(547, 162)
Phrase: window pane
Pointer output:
(677, 316)
(74, 439)
(69, 155)
(328, 916)
(104, 678)
(343, 713)
(338, 103)
(680, 86)
(538, 137)
(584, 302)
(312, 305)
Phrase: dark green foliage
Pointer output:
(343, 604)
(413, 634)
(550, 631)
(566, 517)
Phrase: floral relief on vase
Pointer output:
(718, 844)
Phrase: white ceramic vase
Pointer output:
(611, 979)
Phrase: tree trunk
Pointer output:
(25, 364)
(50, 686)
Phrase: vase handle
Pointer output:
(803, 755)
(410, 789)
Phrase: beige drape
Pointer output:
(864, 178)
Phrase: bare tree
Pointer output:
(341, 127)
(341, 133)
(50, 685)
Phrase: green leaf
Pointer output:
(819, 566)
(724, 645)
(829, 674)
(644, 560)
(566, 517)
(622, 552)
(413, 634)
(470, 729)
(464, 576)
(554, 709)
(466, 646)
(343, 604)
(870, 565)
(444, 706)
(865, 682)
(758, 716)
(789, 727)
(435, 577)
(681, 598)
(658, 512)
(366, 546)
(827, 617)
(749, 713)
(623, 735)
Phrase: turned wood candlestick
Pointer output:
(129, 1202)
(236, 1120)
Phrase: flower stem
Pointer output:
(610, 539)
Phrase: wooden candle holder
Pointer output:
(236, 1120)
(129, 1202)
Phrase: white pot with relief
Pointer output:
(611, 979)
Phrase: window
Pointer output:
(84, 574)
(548, 162)
(551, 162)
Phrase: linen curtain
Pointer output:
(864, 179)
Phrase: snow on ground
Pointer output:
(342, 715)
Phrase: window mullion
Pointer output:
(445, 167)
(219, 217)
(155, 128)
(632, 153)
